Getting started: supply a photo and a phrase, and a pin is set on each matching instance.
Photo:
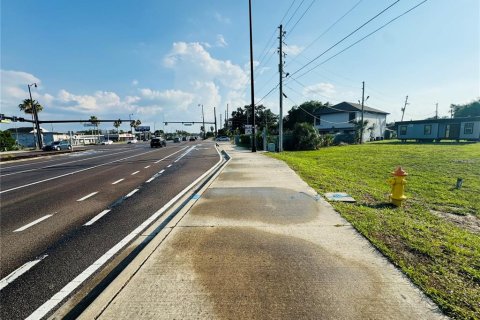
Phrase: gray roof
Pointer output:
(347, 107)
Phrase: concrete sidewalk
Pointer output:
(260, 244)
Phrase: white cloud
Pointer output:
(319, 89)
(293, 50)
(134, 82)
(221, 41)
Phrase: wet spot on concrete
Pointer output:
(269, 205)
(252, 274)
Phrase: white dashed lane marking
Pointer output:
(131, 193)
(88, 196)
(98, 216)
(120, 180)
(33, 223)
(134, 173)
(17, 273)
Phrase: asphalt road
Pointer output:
(59, 214)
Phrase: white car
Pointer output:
(223, 138)
(107, 142)
(132, 141)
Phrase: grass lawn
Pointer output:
(435, 237)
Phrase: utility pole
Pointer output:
(436, 111)
(404, 107)
(215, 115)
(280, 70)
(254, 147)
(38, 143)
(363, 100)
(221, 119)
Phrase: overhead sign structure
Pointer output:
(142, 128)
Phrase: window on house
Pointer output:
(351, 117)
(403, 130)
(427, 130)
(468, 129)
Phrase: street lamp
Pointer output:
(38, 144)
(203, 120)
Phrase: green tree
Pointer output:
(263, 117)
(117, 124)
(302, 113)
(95, 122)
(359, 128)
(471, 109)
(7, 142)
(26, 106)
(305, 137)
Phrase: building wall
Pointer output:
(475, 135)
(416, 131)
(339, 122)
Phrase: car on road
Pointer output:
(107, 142)
(223, 138)
(191, 139)
(176, 139)
(157, 142)
(58, 145)
(132, 141)
(184, 138)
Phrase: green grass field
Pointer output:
(434, 238)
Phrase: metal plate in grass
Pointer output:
(339, 196)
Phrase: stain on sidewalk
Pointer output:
(253, 274)
(269, 205)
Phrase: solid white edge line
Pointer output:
(17, 273)
(119, 180)
(134, 173)
(33, 223)
(88, 196)
(131, 193)
(72, 285)
(98, 216)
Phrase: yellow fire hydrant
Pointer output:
(398, 186)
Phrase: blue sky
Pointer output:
(159, 60)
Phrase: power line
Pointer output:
(301, 17)
(353, 44)
(328, 29)
(291, 17)
(269, 92)
(350, 34)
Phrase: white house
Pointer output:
(340, 117)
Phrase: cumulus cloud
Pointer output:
(293, 50)
(319, 89)
(192, 62)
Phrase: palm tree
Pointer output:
(94, 121)
(26, 106)
(117, 124)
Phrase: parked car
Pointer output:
(157, 142)
(132, 141)
(184, 138)
(191, 138)
(176, 139)
(223, 138)
(107, 142)
(58, 145)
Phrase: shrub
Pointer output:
(7, 142)
(305, 137)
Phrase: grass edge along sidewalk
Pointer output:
(438, 255)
